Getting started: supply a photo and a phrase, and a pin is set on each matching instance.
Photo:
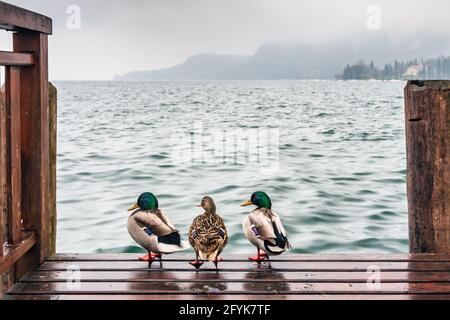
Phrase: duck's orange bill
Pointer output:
(246, 203)
(133, 207)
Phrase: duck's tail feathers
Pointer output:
(210, 256)
(288, 244)
(281, 240)
(273, 249)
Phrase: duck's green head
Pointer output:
(259, 199)
(146, 201)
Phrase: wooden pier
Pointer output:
(30, 269)
(121, 276)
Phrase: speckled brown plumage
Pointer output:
(208, 234)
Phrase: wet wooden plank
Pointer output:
(242, 257)
(253, 297)
(286, 266)
(321, 277)
(269, 276)
(16, 19)
(218, 287)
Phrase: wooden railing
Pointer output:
(26, 165)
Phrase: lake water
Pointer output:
(330, 154)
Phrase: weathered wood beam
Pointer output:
(6, 277)
(427, 107)
(53, 111)
(14, 18)
(15, 208)
(14, 252)
(5, 157)
(3, 192)
(16, 59)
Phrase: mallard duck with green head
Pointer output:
(150, 227)
(263, 228)
(208, 235)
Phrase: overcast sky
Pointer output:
(121, 36)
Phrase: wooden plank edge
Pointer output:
(237, 288)
(228, 297)
(210, 281)
(14, 18)
(88, 257)
(8, 58)
(231, 293)
(264, 269)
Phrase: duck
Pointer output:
(150, 227)
(264, 229)
(208, 235)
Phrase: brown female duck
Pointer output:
(208, 234)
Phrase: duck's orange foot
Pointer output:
(147, 257)
(260, 257)
(150, 257)
(196, 263)
(156, 255)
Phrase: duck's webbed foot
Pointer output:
(196, 263)
(260, 257)
(151, 256)
(147, 257)
(156, 256)
(216, 262)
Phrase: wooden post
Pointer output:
(53, 111)
(15, 167)
(3, 175)
(427, 107)
(7, 277)
(35, 142)
(5, 159)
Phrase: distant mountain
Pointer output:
(295, 61)
(200, 67)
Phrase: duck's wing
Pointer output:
(280, 232)
(262, 223)
(194, 231)
(156, 222)
(139, 230)
(166, 219)
(251, 233)
(222, 232)
(268, 226)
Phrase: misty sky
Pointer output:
(121, 36)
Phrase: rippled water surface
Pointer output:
(339, 187)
